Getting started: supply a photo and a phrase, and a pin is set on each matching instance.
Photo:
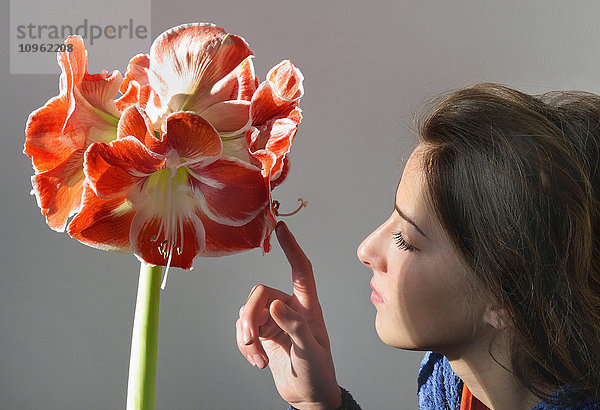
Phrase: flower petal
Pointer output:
(226, 239)
(282, 89)
(58, 191)
(103, 223)
(240, 84)
(112, 169)
(287, 81)
(72, 63)
(131, 96)
(276, 137)
(135, 122)
(137, 70)
(186, 61)
(82, 113)
(99, 90)
(238, 147)
(148, 237)
(247, 82)
(228, 190)
(192, 136)
(228, 116)
(136, 88)
(285, 168)
(45, 142)
(267, 160)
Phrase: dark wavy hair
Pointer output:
(515, 181)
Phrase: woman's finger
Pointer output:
(255, 354)
(292, 323)
(252, 315)
(303, 279)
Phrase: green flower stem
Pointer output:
(141, 384)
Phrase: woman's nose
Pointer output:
(370, 251)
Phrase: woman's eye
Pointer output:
(401, 242)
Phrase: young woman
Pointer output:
(490, 259)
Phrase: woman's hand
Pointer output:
(287, 332)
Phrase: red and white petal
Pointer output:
(45, 142)
(73, 63)
(69, 122)
(49, 139)
(226, 239)
(189, 59)
(280, 141)
(58, 191)
(282, 89)
(228, 190)
(287, 81)
(192, 136)
(150, 102)
(137, 70)
(228, 116)
(131, 96)
(265, 104)
(240, 84)
(86, 125)
(103, 223)
(267, 160)
(283, 173)
(113, 169)
(276, 137)
(155, 245)
(135, 122)
(281, 134)
(238, 147)
(99, 90)
(247, 80)
(136, 88)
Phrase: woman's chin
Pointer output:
(394, 337)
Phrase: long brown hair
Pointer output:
(515, 181)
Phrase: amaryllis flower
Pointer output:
(182, 164)
(165, 195)
(58, 133)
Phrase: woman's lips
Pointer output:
(375, 297)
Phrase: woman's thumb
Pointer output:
(292, 323)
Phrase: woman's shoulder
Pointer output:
(438, 386)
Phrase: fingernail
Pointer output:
(250, 359)
(247, 336)
(259, 360)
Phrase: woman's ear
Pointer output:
(496, 316)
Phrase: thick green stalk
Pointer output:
(141, 384)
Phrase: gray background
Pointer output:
(66, 310)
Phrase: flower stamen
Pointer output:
(165, 185)
(276, 204)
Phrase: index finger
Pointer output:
(303, 279)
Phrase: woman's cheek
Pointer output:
(411, 302)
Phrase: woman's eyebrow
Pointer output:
(410, 221)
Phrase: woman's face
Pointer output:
(421, 293)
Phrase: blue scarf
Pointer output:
(439, 388)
